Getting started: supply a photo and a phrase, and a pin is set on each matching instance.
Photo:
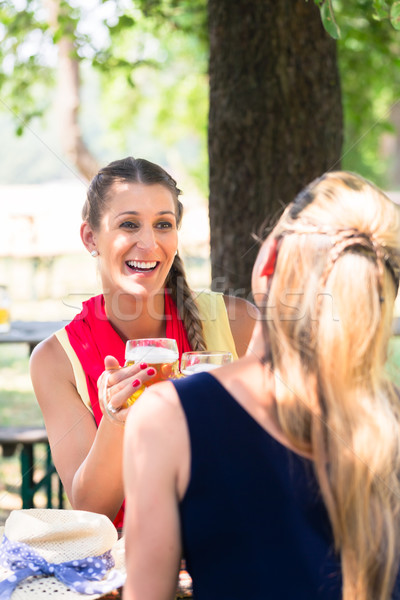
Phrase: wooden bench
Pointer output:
(25, 439)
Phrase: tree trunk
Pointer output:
(275, 121)
(68, 101)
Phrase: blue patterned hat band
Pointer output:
(49, 537)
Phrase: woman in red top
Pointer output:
(130, 226)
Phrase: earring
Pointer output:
(94, 253)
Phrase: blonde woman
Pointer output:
(278, 476)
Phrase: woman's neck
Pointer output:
(257, 346)
(135, 317)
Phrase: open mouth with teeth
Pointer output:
(142, 266)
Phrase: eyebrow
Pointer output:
(136, 213)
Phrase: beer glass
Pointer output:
(5, 324)
(197, 362)
(160, 353)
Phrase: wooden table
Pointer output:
(184, 589)
(30, 332)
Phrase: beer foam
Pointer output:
(199, 368)
(151, 354)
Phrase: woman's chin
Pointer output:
(143, 290)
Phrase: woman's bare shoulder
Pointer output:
(239, 307)
(49, 351)
(49, 360)
(242, 316)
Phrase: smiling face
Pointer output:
(137, 238)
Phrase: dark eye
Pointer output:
(164, 225)
(129, 225)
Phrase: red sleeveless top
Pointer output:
(92, 337)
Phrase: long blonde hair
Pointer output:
(329, 319)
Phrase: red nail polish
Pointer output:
(151, 371)
(143, 365)
(136, 383)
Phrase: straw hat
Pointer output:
(59, 553)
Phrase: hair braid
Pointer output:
(345, 240)
(185, 303)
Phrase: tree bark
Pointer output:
(68, 101)
(275, 121)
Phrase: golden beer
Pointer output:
(5, 320)
(165, 360)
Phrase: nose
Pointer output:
(147, 239)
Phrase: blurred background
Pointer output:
(84, 82)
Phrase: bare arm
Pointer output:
(88, 460)
(242, 316)
(156, 473)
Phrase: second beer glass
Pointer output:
(197, 362)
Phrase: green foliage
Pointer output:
(25, 73)
(388, 9)
(18, 405)
(151, 57)
(369, 62)
(395, 15)
(381, 9)
(151, 60)
(165, 68)
(328, 17)
(188, 16)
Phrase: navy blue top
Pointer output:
(254, 526)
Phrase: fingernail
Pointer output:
(136, 383)
(143, 365)
(151, 371)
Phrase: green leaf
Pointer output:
(328, 18)
(126, 21)
(381, 9)
(395, 15)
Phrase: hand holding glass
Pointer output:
(160, 353)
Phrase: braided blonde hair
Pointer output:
(339, 263)
(139, 170)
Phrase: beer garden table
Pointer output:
(184, 588)
(30, 333)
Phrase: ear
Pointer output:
(88, 237)
(269, 265)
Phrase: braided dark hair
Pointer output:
(140, 170)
